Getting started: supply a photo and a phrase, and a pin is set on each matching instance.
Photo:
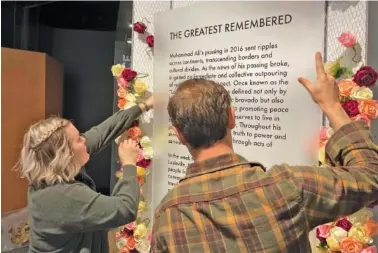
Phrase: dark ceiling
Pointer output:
(93, 15)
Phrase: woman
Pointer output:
(67, 214)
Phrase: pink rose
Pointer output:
(344, 223)
(128, 74)
(131, 226)
(139, 27)
(351, 108)
(323, 231)
(150, 40)
(363, 118)
(365, 76)
(323, 135)
(150, 237)
(347, 39)
(122, 83)
(371, 249)
(140, 155)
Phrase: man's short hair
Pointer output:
(199, 109)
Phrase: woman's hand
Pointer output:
(128, 152)
(150, 102)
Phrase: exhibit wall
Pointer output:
(341, 16)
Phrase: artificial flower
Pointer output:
(338, 233)
(332, 243)
(147, 116)
(140, 156)
(371, 228)
(139, 27)
(145, 142)
(344, 223)
(148, 152)
(134, 133)
(140, 87)
(135, 123)
(150, 237)
(346, 87)
(121, 82)
(361, 93)
(347, 39)
(351, 108)
(358, 234)
(122, 242)
(131, 226)
(117, 70)
(141, 206)
(141, 171)
(365, 76)
(143, 246)
(140, 180)
(332, 67)
(150, 40)
(348, 245)
(369, 108)
(371, 249)
(131, 98)
(130, 243)
(119, 174)
(144, 163)
(121, 102)
(363, 118)
(121, 92)
(128, 74)
(323, 231)
(140, 232)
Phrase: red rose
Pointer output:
(139, 27)
(344, 223)
(365, 76)
(144, 163)
(128, 74)
(150, 40)
(135, 123)
(351, 108)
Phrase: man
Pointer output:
(226, 204)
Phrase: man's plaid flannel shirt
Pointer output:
(227, 204)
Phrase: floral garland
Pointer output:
(351, 234)
(134, 237)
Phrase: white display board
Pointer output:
(257, 50)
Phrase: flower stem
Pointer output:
(355, 55)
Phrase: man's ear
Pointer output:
(231, 118)
(179, 135)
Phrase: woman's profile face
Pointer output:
(78, 146)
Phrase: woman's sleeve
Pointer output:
(100, 136)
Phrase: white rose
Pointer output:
(338, 233)
(148, 153)
(147, 116)
(143, 246)
(145, 142)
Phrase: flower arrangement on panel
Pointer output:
(134, 237)
(351, 234)
(141, 29)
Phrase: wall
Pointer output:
(87, 57)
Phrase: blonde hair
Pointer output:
(46, 156)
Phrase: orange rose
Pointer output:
(348, 245)
(140, 180)
(131, 243)
(371, 228)
(134, 133)
(369, 108)
(121, 102)
(122, 92)
(346, 87)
